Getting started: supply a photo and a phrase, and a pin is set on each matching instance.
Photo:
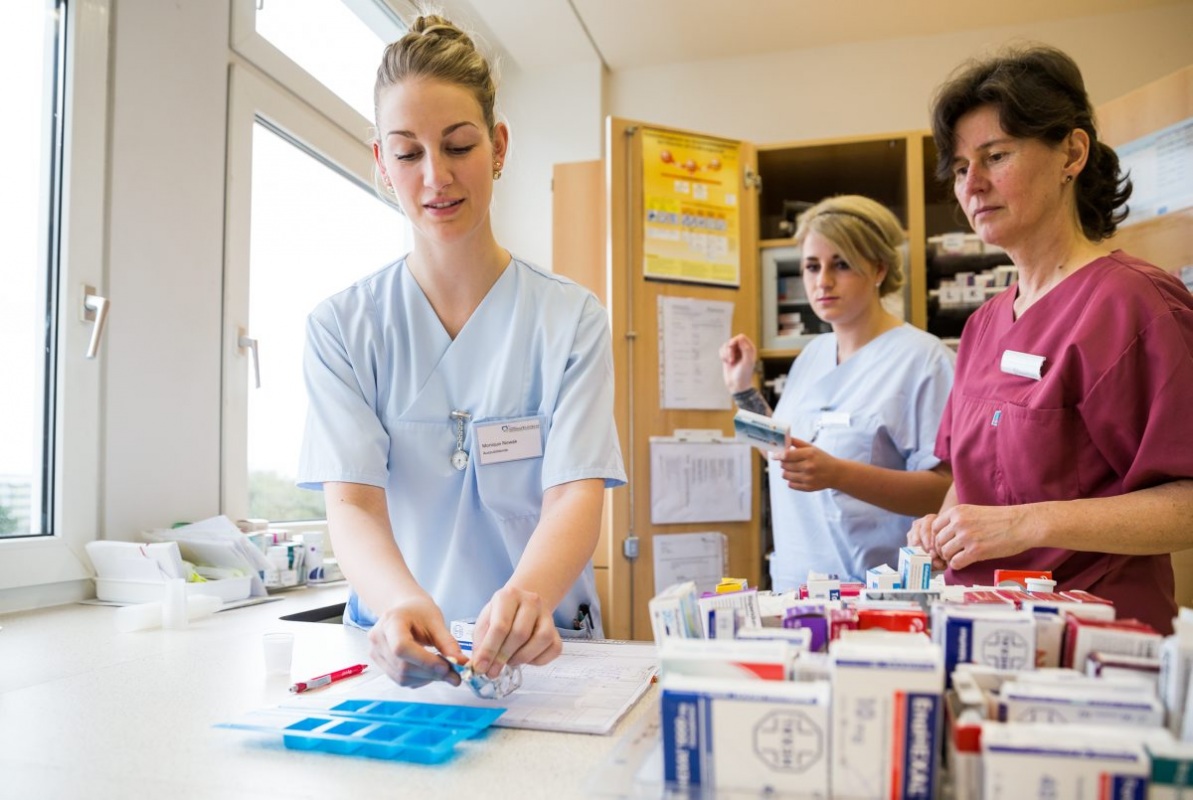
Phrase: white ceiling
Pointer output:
(627, 34)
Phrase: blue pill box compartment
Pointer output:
(472, 719)
(423, 733)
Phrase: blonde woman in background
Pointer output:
(863, 403)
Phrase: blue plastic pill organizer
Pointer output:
(425, 733)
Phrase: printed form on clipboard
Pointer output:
(588, 689)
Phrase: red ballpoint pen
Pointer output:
(329, 678)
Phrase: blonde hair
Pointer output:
(435, 48)
(865, 231)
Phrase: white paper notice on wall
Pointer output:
(691, 333)
(696, 557)
(699, 481)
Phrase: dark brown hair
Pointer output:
(1039, 94)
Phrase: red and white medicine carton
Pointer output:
(887, 716)
(909, 620)
(1063, 603)
(761, 659)
(1019, 577)
(1126, 636)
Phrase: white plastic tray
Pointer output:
(120, 591)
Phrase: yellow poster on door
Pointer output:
(690, 188)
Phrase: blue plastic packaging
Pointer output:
(424, 733)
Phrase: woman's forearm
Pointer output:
(564, 541)
(913, 493)
(363, 541)
(1144, 522)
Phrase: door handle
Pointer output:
(95, 311)
(250, 344)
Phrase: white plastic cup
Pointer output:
(174, 605)
(279, 650)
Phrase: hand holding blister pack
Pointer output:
(506, 683)
(765, 433)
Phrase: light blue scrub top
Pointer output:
(383, 377)
(894, 391)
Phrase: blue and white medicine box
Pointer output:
(884, 576)
(1082, 762)
(915, 567)
(887, 716)
(756, 737)
(1002, 639)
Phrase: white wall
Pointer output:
(161, 359)
(555, 117)
(801, 94)
(886, 86)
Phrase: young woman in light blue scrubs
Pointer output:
(863, 402)
(461, 400)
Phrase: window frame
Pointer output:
(53, 567)
(253, 98)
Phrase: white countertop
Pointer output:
(88, 712)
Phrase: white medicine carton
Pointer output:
(1001, 638)
(758, 659)
(1035, 761)
(1098, 702)
(756, 737)
(887, 716)
(915, 568)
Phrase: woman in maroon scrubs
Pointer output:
(1070, 425)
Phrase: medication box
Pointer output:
(761, 659)
(1076, 762)
(1003, 639)
(765, 433)
(884, 576)
(760, 738)
(915, 568)
(887, 714)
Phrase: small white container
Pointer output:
(278, 649)
(120, 591)
(1043, 585)
(174, 614)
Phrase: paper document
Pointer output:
(588, 689)
(699, 481)
(696, 557)
(690, 334)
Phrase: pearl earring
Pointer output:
(496, 170)
(1068, 179)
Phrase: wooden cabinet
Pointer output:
(613, 268)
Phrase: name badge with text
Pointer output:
(509, 440)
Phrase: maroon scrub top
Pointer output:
(1112, 413)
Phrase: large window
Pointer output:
(53, 54)
(313, 232)
(31, 39)
(303, 222)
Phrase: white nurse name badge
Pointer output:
(509, 440)
(1025, 365)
